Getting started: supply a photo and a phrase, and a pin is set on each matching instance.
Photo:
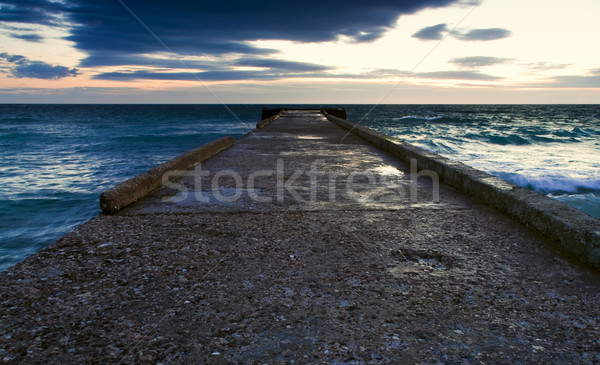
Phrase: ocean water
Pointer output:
(55, 160)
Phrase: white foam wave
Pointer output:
(418, 118)
(552, 184)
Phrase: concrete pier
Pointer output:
(301, 242)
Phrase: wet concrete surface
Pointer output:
(300, 162)
(301, 244)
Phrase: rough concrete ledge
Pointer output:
(265, 122)
(575, 231)
(336, 112)
(138, 187)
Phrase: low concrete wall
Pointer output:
(336, 112)
(573, 230)
(265, 122)
(138, 187)
(269, 112)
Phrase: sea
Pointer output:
(55, 160)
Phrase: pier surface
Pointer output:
(301, 243)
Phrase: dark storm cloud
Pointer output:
(199, 27)
(479, 61)
(432, 33)
(28, 37)
(13, 28)
(22, 67)
(31, 11)
(439, 31)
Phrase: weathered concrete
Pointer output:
(572, 229)
(348, 174)
(319, 253)
(136, 188)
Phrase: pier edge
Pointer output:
(573, 230)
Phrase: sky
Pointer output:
(299, 52)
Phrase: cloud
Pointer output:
(439, 31)
(383, 73)
(589, 81)
(479, 61)
(265, 69)
(28, 37)
(13, 28)
(42, 70)
(17, 59)
(213, 75)
(457, 75)
(280, 64)
(432, 33)
(546, 66)
(80, 89)
(160, 61)
(208, 28)
(490, 34)
(437, 75)
(31, 11)
(147, 75)
(280, 70)
(22, 67)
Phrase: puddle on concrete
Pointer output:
(309, 137)
(433, 263)
(387, 170)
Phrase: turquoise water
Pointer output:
(55, 160)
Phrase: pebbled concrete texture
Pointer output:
(335, 253)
